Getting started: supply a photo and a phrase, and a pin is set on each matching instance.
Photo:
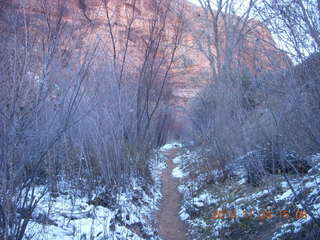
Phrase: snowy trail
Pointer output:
(170, 225)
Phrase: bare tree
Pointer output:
(144, 62)
(39, 98)
(60, 119)
(223, 107)
(223, 32)
(227, 114)
(295, 23)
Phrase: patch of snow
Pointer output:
(312, 184)
(169, 146)
(70, 217)
(259, 194)
(284, 185)
(183, 188)
(196, 197)
(242, 181)
(177, 160)
(178, 173)
(183, 214)
(316, 157)
(285, 196)
(204, 199)
(199, 223)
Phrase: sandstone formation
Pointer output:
(191, 70)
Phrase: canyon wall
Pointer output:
(191, 69)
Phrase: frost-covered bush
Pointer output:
(276, 159)
(272, 160)
(255, 170)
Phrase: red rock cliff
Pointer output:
(192, 67)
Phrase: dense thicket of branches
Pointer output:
(238, 51)
(69, 109)
(274, 112)
(39, 98)
(295, 23)
(248, 107)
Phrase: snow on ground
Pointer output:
(201, 198)
(309, 185)
(178, 173)
(177, 160)
(204, 198)
(70, 216)
(170, 146)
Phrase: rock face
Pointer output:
(191, 69)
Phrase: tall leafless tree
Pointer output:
(39, 97)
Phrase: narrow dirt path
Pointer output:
(170, 225)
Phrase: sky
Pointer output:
(242, 5)
(194, 1)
